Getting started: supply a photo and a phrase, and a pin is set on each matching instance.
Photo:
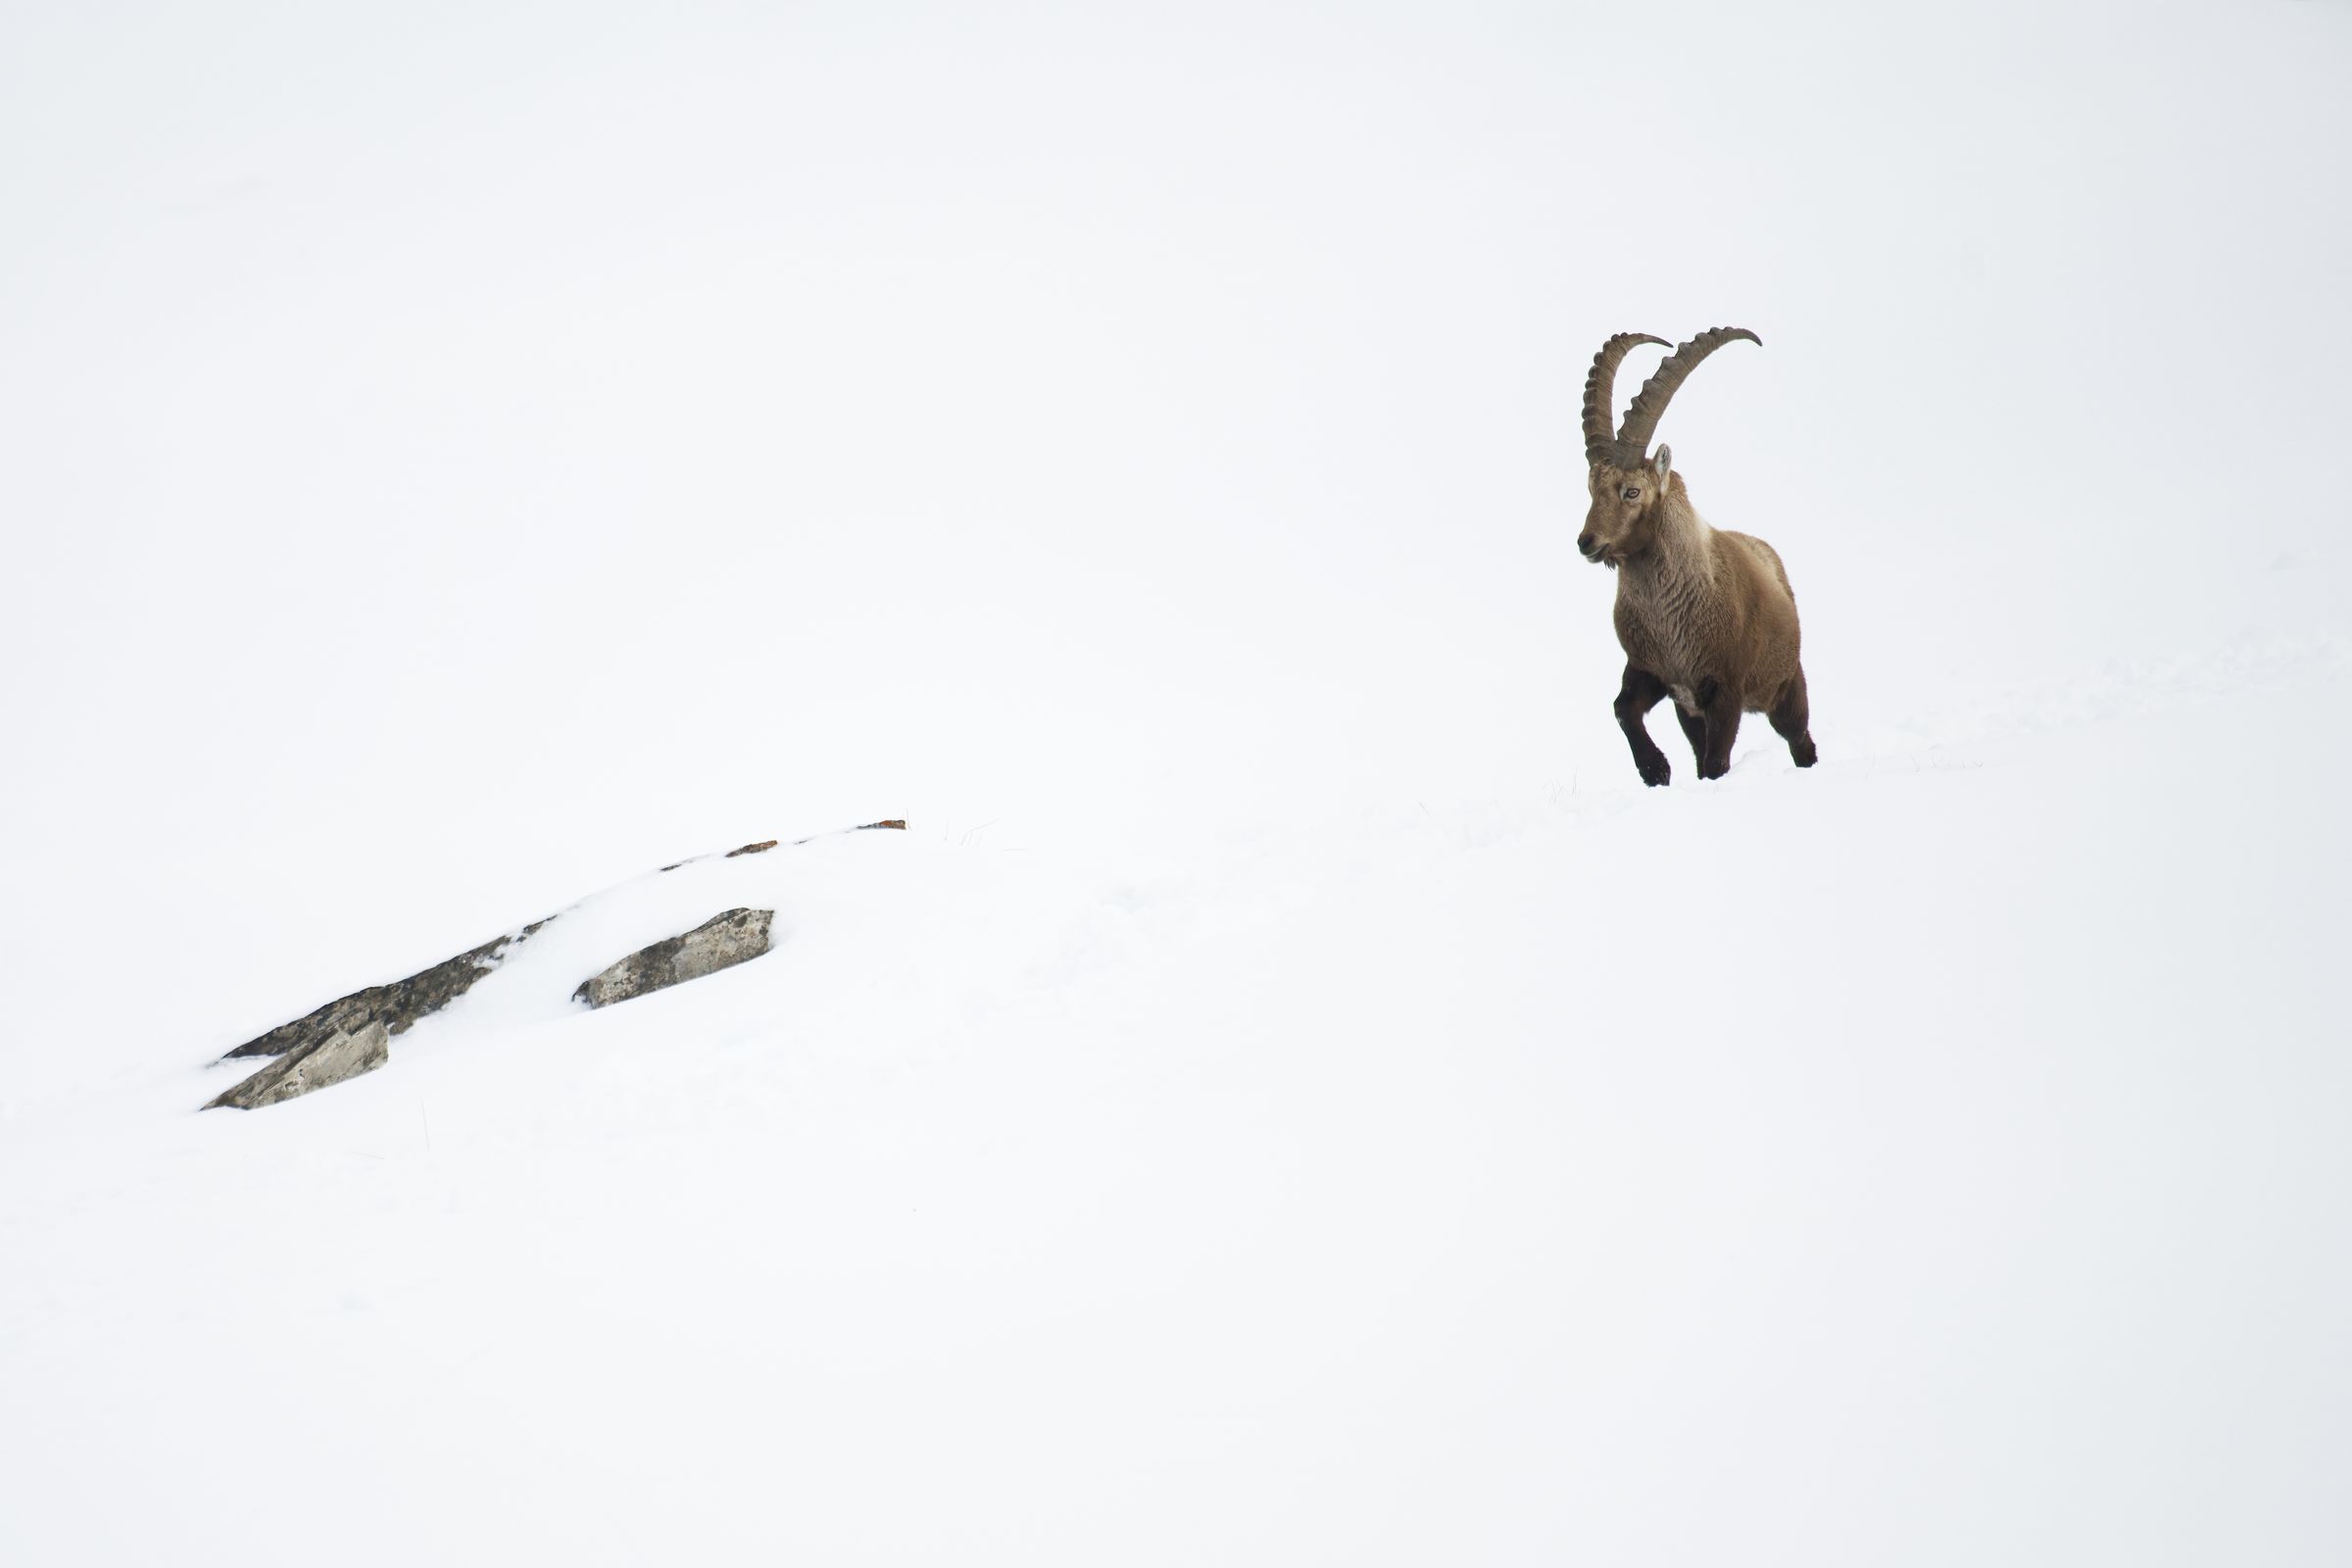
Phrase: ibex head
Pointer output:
(1629, 484)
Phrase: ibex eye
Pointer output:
(1633, 492)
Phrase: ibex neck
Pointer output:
(1679, 550)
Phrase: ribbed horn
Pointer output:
(1642, 419)
(1600, 393)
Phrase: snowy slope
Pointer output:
(1290, 1096)
(1932, 1158)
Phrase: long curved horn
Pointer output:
(1600, 393)
(1642, 419)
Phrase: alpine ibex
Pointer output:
(1705, 616)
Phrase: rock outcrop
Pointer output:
(311, 1065)
(765, 845)
(719, 942)
(351, 1035)
(397, 1005)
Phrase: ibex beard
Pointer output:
(1705, 616)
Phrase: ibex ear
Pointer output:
(1663, 463)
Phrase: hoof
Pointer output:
(1802, 751)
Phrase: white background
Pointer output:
(456, 458)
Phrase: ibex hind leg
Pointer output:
(1719, 708)
(1694, 730)
(1791, 720)
(1641, 692)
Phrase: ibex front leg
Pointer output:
(1640, 692)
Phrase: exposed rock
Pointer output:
(397, 1006)
(349, 1034)
(719, 943)
(765, 845)
(313, 1065)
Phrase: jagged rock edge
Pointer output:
(308, 1068)
(729, 937)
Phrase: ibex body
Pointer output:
(1705, 616)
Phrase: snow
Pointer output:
(1289, 1095)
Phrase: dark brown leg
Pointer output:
(1719, 707)
(1636, 696)
(1791, 718)
(1694, 730)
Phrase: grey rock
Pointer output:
(309, 1066)
(397, 1005)
(765, 845)
(719, 943)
